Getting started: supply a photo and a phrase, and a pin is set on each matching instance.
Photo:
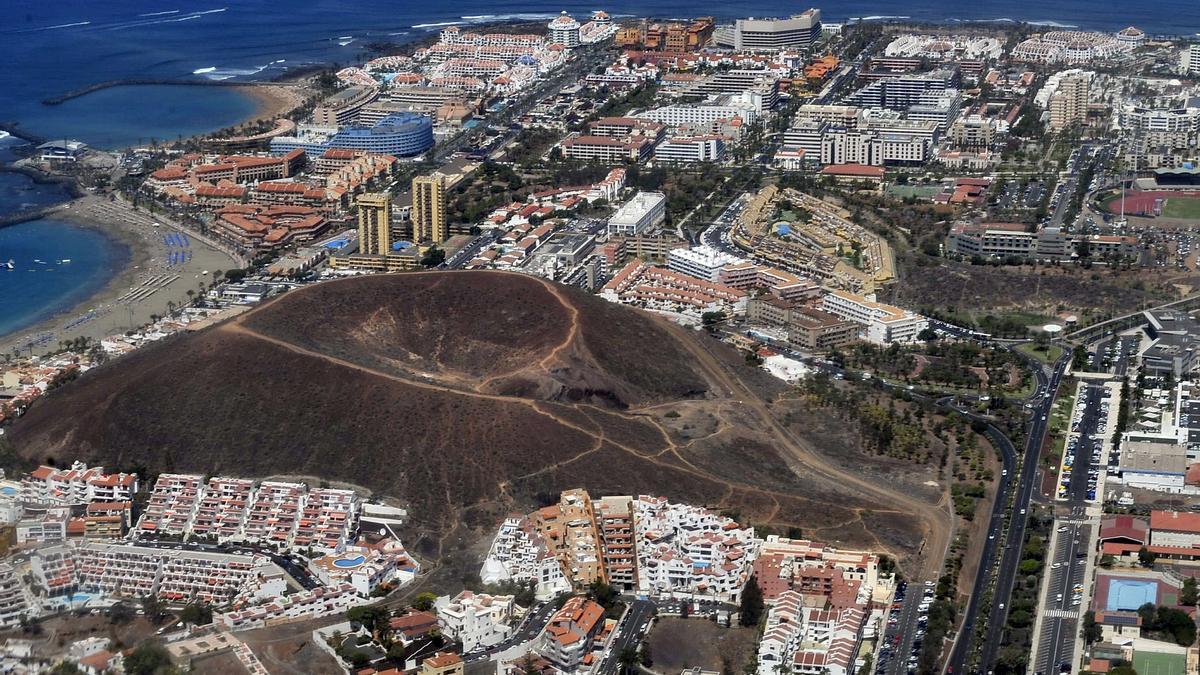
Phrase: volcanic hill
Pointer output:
(467, 395)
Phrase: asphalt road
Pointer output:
(1011, 553)
(531, 627)
(629, 634)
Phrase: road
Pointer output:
(1059, 622)
(629, 634)
(1011, 556)
(530, 628)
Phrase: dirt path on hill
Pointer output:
(936, 518)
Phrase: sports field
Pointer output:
(1153, 663)
(1182, 207)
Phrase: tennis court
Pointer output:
(1155, 663)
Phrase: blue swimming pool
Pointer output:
(80, 597)
(8, 490)
(350, 562)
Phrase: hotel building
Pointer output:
(374, 223)
(429, 208)
(884, 324)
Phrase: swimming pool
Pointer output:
(1129, 594)
(8, 490)
(80, 597)
(350, 562)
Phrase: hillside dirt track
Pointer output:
(467, 420)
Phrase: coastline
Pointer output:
(271, 99)
(143, 259)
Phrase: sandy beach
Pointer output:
(164, 263)
(274, 99)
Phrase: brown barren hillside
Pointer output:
(467, 395)
(486, 332)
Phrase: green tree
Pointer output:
(152, 609)
(150, 658)
(374, 619)
(1079, 358)
(644, 656)
(1188, 595)
(433, 257)
(603, 594)
(751, 608)
(197, 614)
(424, 601)
(628, 660)
(1146, 557)
(1091, 629)
(121, 613)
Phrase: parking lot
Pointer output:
(905, 633)
(1115, 355)
(1083, 455)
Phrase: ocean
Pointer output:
(54, 47)
(50, 48)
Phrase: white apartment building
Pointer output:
(607, 149)
(873, 148)
(698, 114)
(232, 510)
(320, 602)
(801, 30)
(806, 135)
(690, 149)
(175, 576)
(1190, 59)
(14, 602)
(518, 553)
(45, 528)
(702, 262)
(810, 640)
(689, 551)
(644, 211)
(883, 324)
(478, 620)
(564, 31)
(77, 485)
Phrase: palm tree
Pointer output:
(628, 659)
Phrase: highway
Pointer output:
(1014, 541)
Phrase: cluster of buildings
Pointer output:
(822, 603)
(1077, 47)
(1159, 135)
(823, 245)
(271, 514)
(83, 550)
(636, 544)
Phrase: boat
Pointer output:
(9, 265)
(64, 261)
(40, 262)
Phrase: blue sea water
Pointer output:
(33, 292)
(53, 47)
(50, 48)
